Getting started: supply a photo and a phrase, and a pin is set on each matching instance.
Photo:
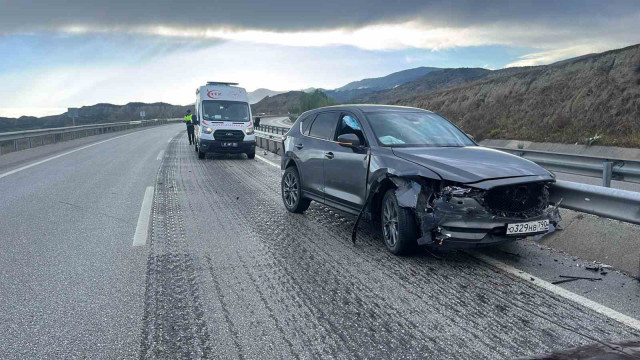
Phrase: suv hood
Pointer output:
(470, 164)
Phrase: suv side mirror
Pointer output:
(349, 140)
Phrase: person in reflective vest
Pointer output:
(188, 120)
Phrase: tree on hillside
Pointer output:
(310, 101)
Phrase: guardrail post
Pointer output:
(607, 167)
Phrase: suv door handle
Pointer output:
(328, 155)
(299, 146)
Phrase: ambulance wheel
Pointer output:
(252, 155)
(201, 154)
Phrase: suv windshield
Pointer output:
(225, 110)
(408, 129)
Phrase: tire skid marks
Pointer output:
(303, 258)
(174, 325)
(263, 299)
(225, 310)
(320, 337)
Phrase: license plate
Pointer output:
(528, 227)
(229, 144)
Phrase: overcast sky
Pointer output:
(59, 54)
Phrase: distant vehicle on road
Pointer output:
(223, 122)
(421, 177)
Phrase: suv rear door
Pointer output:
(311, 150)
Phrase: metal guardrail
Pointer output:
(606, 168)
(21, 140)
(269, 141)
(272, 129)
(602, 201)
(610, 203)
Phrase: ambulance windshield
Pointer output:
(220, 110)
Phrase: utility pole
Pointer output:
(73, 114)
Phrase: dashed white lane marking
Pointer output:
(599, 308)
(142, 229)
(160, 155)
(267, 161)
(59, 156)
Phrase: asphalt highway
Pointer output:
(226, 272)
(276, 121)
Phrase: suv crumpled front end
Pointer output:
(452, 215)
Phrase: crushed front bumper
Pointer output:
(458, 219)
(461, 222)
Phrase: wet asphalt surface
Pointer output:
(232, 274)
(228, 273)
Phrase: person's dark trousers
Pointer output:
(192, 139)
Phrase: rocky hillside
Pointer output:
(434, 80)
(278, 104)
(593, 97)
(353, 89)
(95, 114)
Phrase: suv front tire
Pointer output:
(291, 190)
(399, 231)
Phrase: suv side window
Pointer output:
(305, 124)
(324, 127)
(348, 124)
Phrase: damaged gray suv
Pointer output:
(424, 180)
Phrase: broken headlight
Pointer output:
(456, 191)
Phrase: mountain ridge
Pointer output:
(96, 114)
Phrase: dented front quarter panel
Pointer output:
(448, 221)
(385, 165)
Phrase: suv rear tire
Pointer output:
(291, 190)
(399, 231)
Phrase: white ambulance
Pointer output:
(223, 122)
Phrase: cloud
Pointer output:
(550, 56)
(368, 24)
(295, 15)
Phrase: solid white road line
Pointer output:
(267, 161)
(160, 155)
(599, 308)
(142, 229)
(59, 156)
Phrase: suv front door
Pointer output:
(345, 168)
